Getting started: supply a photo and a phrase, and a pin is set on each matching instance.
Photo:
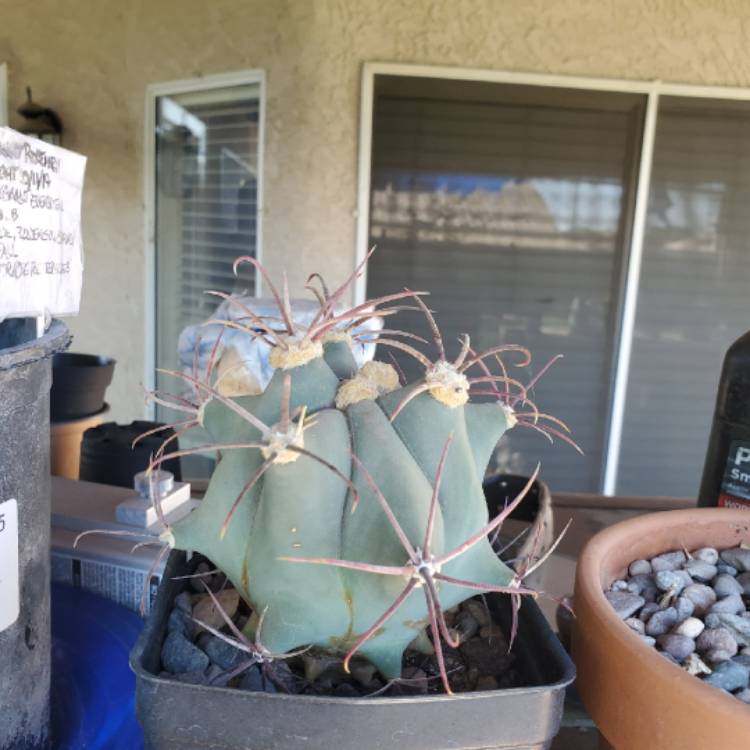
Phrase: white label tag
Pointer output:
(9, 589)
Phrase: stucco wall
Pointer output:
(92, 59)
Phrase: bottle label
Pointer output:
(735, 486)
(9, 589)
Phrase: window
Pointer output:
(693, 294)
(603, 224)
(204, 188)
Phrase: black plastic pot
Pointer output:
(108, 455)
(534, 511)
(502, 488)
(24, 477)
(178, 716)
(79, 382)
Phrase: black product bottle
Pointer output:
(726, 474)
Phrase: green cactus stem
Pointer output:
(345, 507)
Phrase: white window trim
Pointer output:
(172, 88)
(3, 94)
(634, 253)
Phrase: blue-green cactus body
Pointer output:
(338, 356)
(301, 508)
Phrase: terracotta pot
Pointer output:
(636, 697)
(65, 443)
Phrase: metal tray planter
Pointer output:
(178, 716)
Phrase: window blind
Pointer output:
(510, 204)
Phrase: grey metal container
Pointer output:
(177, 716)
(25, 378)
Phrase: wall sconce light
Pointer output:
(40, 122)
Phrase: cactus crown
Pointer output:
(346, 506)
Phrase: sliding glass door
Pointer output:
(693, 296)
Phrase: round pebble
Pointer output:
(699, 570)
(737, 557)
(717, 655)
(661, 622)
(648, 640)
(725, 585)
(732, 604)
(624, 603)
(644, 586)
(668, 561)
(692, 627)
(635, 624)
(729, 675)
(181, 622)
(223, 654)
(684, 608)
(706, 554)
(639, 567)
(672, 580)
(647, 610)
(619, 586)
(702, 596)
(678, 646)
(738, 626)
(178, 654)
(717, 639)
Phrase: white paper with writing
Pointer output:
(9, 588)
(41, 264)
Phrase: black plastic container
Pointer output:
(502, 488)
(79, 382)
(535, 510)
(178, 716)
(726, 472)
(108, 455)
(25, 364)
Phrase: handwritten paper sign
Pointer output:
(41, 265)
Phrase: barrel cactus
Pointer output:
(347, 507)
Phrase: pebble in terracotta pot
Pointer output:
(693, 608)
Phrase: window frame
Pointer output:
(652, 91)
(3, 94)
(173, 88)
